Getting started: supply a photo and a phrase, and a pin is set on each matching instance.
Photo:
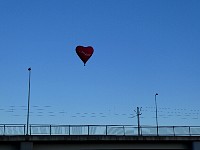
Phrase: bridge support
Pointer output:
(196, 146)
(26, 146)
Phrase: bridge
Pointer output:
(98, 137)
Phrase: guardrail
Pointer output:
(12, 129)
(125, 130)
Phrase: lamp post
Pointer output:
(156, 113)
(29, 92)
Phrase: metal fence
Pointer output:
(117, 130)
(12, 129)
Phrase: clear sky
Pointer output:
(141, 47)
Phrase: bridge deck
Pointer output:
(91, 142)
(104, 138)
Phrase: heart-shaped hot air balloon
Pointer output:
(84, 53)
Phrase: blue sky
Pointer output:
(141, 47)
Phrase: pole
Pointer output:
(29, 92)
(156, 113)
(138, 118)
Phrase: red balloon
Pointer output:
(84, 53)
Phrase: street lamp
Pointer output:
(29, 92)
(156, 112)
